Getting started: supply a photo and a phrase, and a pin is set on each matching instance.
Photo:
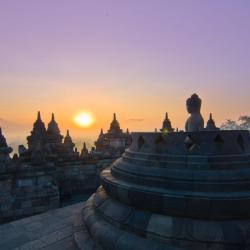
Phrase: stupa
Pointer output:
(166, 125)
(54, 137)
(180, 190)
(211, 123)
(68, 150)
(68, 143)
(84, 153)
(5, 150)
(38, 134)
(114, 142)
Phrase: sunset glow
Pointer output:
(84, 120)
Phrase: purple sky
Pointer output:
(138, 58)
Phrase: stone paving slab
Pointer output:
(51, 230)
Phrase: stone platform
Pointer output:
(50, 230)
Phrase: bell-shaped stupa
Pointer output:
(187, 190)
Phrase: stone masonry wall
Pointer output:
(26, 190)
(80, 177)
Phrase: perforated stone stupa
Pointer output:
(176, 190)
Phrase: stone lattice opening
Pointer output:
(189, 142)
(218, 140)
(140, 142)
(240, 142)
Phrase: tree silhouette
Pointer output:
(243, 123)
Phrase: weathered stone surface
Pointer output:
(173, 195)
(26, 189)
(51, 230)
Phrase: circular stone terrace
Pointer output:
(178, 190)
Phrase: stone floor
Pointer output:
(50, 230)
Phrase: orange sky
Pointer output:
(138, 60)
(138, 108)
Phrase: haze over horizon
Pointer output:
(138, 58)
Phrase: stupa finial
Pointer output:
(101, 132)
(39, 116)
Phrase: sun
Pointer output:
(84, 120)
